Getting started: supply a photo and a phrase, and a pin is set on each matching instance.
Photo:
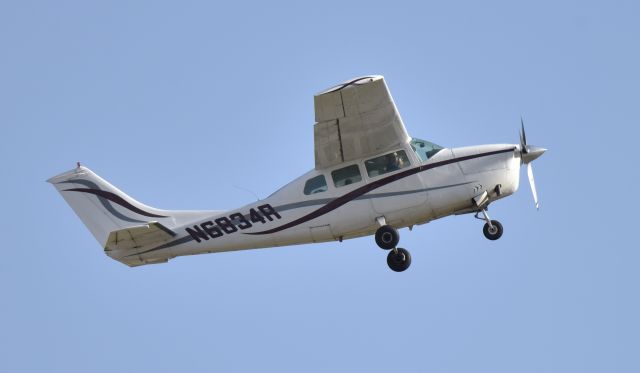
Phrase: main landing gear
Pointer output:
(492, 228)
(399, 259)
(387, 238)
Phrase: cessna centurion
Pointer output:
(370, 177)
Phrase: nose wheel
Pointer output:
(493, 231)
(492, 228)
(387, 238)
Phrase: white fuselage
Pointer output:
(443, 185)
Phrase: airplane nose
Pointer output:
(533, 152)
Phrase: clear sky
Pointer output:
(182, 104)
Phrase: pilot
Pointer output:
(394, 162)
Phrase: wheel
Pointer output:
(399, 259)
(493, 233)
(387, 237)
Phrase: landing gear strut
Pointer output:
(387, 238)
(492, 228)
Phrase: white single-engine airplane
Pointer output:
(370, 177)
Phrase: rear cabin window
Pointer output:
(315, 185)
(386, 163)
(346, 176)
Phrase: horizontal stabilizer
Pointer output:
(152, 233)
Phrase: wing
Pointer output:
(356, 119)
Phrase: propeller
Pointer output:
(528, 154)
(523, 138)
(532, 183)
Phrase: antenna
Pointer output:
(248, 190)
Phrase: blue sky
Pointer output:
(180, 104)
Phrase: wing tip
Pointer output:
(353, 81)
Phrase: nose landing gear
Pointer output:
(387, 238)
(492, 228)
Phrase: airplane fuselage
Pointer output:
(421, 191)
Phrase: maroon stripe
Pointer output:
(374, 185)
(345, 85)
(116, 199)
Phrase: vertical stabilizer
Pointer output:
(103, 208)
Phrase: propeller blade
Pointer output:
(532, 183)
(523, 138)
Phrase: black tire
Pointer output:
(387, 237)
(399, 259)
(495, 233)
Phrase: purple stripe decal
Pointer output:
(374, 185)
(115, 199)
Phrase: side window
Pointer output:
(420, 148)
(425, 149)
(386, 163)
(346, 176)
(316, 184)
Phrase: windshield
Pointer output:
(425, 149)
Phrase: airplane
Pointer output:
(370, 177)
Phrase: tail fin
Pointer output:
(105, 209)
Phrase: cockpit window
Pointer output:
(386, 163)
(315, 185)
(425, 149)
(346, 176)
